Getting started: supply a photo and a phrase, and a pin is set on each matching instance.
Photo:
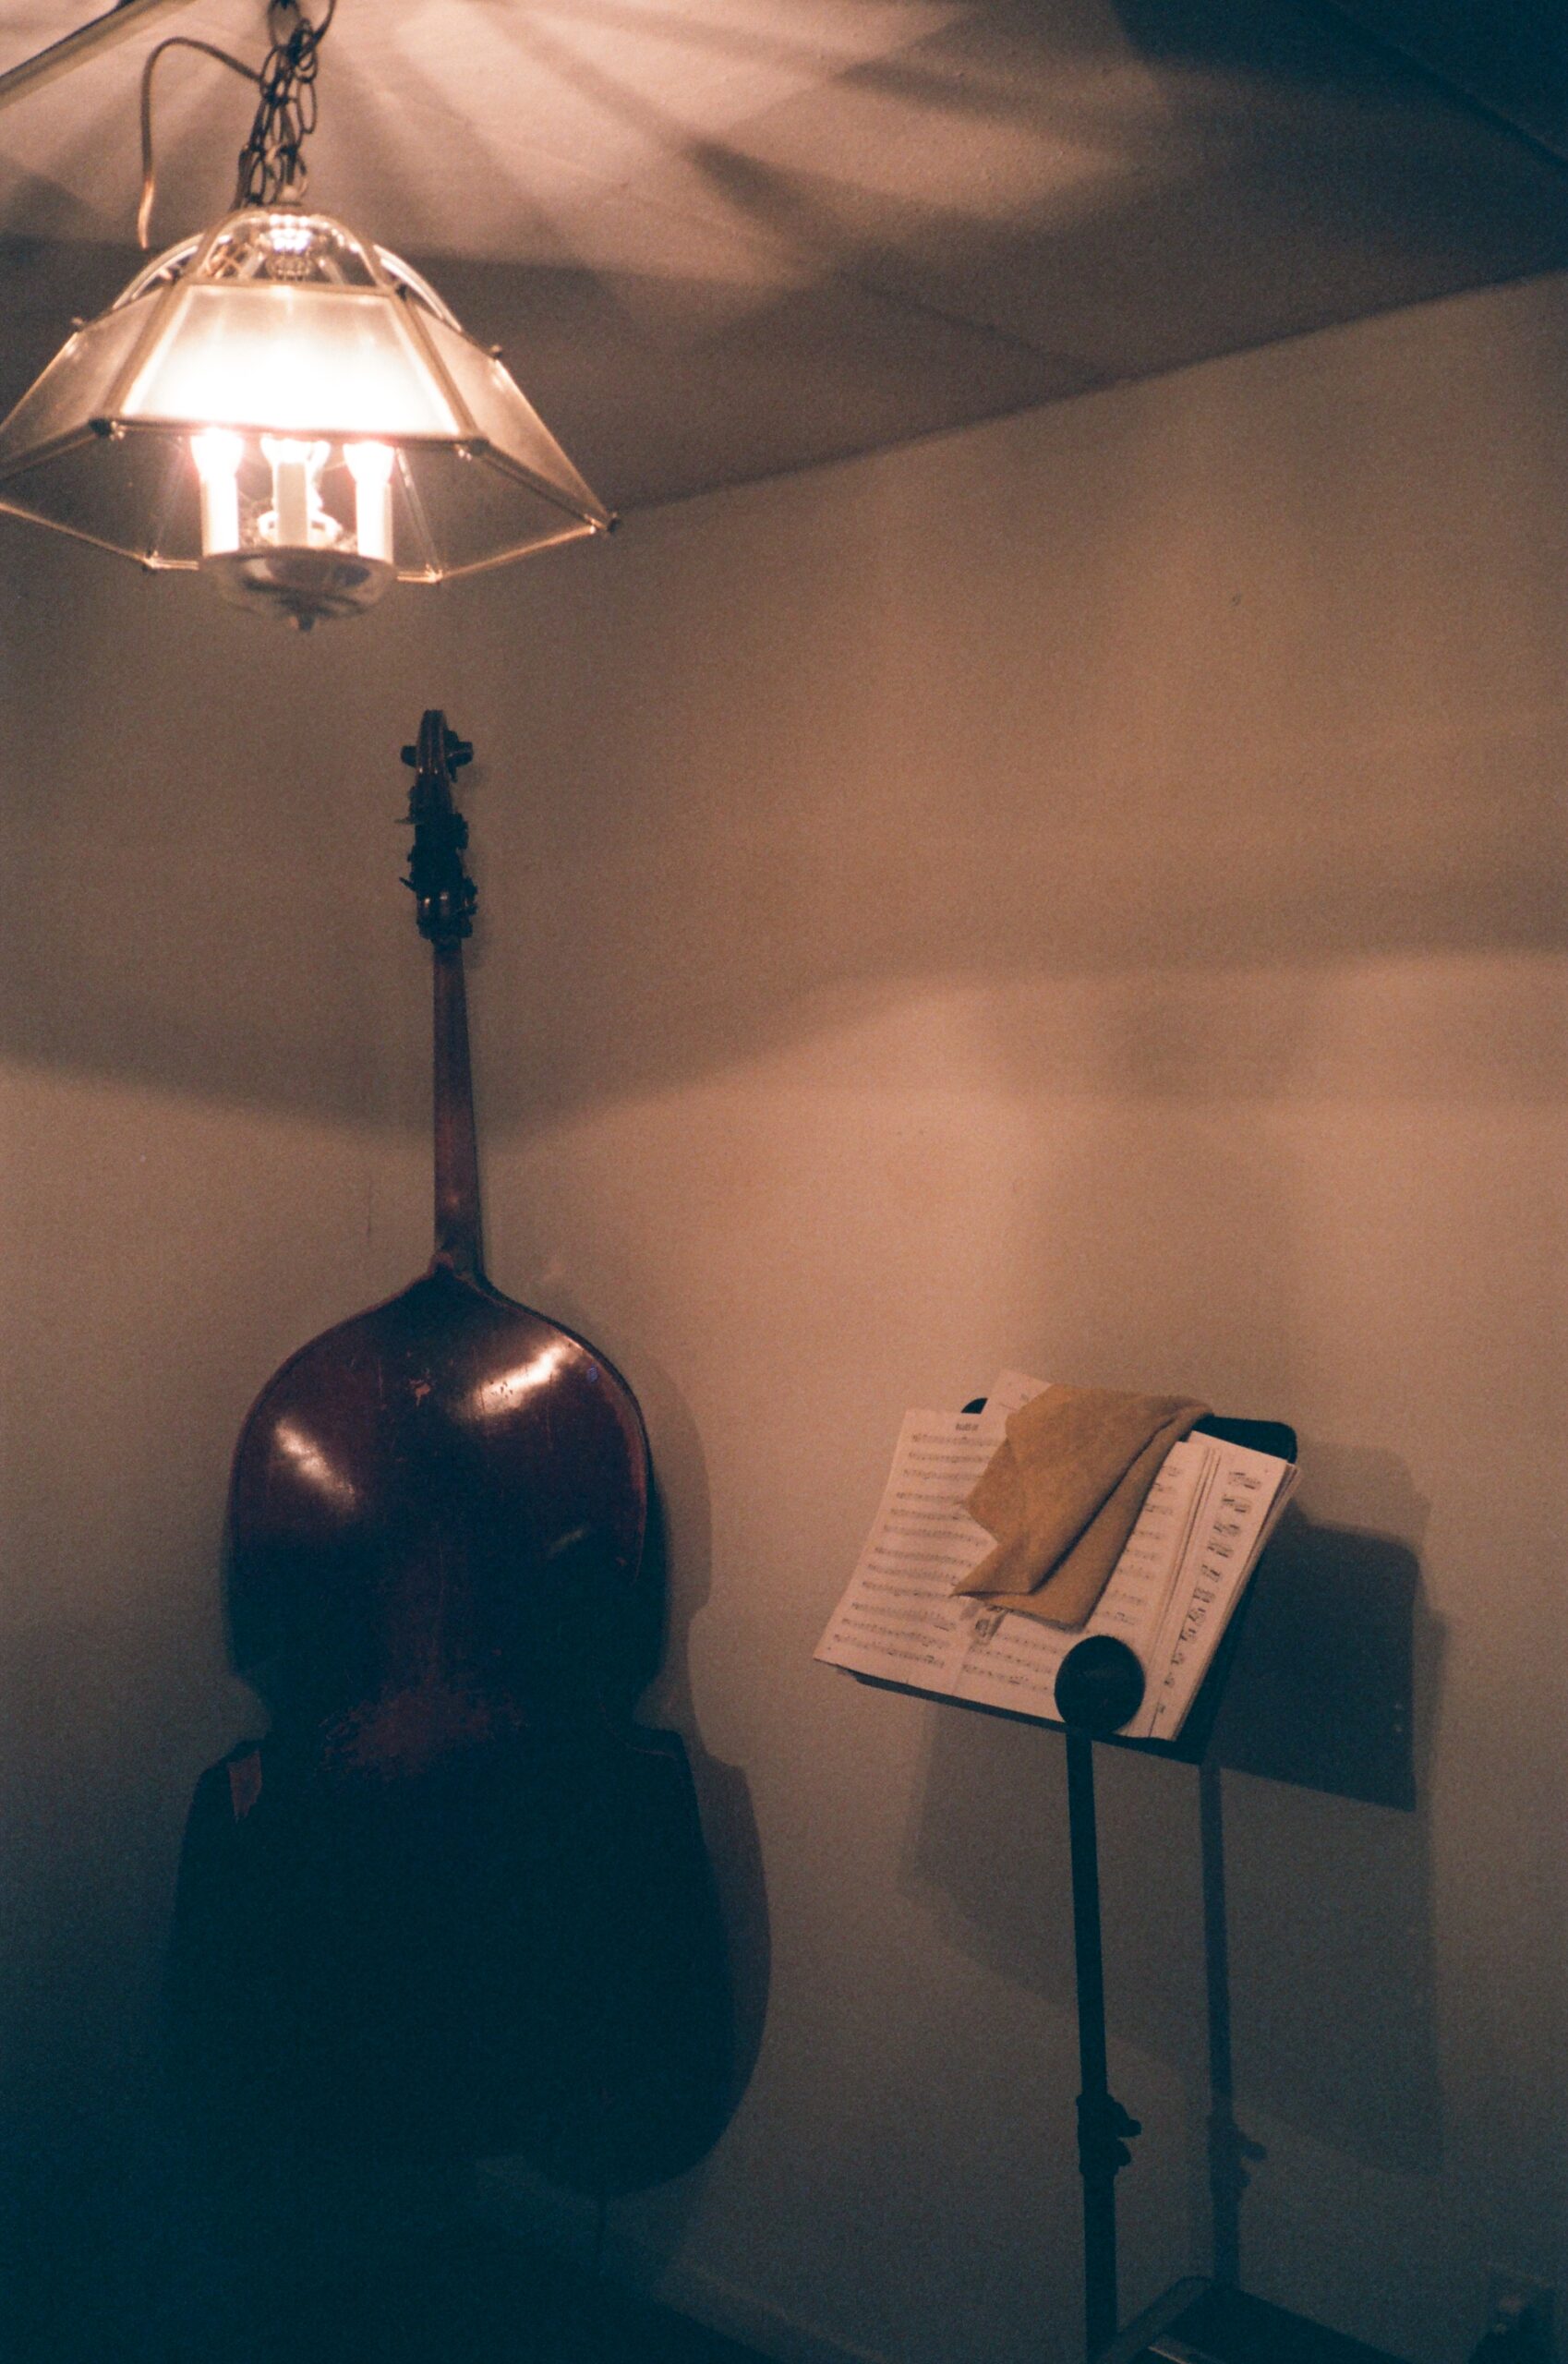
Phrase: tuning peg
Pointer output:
(458, 753)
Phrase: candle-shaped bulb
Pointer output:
(295, 502)
(371, 467)
(218, 453)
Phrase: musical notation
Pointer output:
(1171, 1593)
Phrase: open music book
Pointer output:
(1208, 1516)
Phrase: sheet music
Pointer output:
(1243, 1508)
(1209, 1512)
(898, 1618)
(1133, 1605)
(1009, 1392)
(1012, 1660)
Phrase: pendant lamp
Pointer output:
(285, 405)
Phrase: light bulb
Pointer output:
(295, 557)
(298, 521)
(371, 466)
(287, 236)
(217, 454)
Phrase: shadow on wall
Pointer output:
(684, 1538)
(1329, 1894)
(99, 1711)
(1336, 1650)
(767, 781)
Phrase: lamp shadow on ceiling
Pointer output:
(908, 732)
(899, 734)
(992, 215)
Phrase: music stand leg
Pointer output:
(1102, 2123)
(1229, 2149)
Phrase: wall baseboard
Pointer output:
(562, 2223)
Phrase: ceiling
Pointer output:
(721, 239)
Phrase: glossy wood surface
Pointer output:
(438, 1508)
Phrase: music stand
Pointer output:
(1105, 1686)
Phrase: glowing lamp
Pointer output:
(296, 412)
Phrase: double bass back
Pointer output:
(469, 1894)
(448, 1493)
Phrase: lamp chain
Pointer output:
(271, 164)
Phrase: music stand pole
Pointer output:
(1098, 1688)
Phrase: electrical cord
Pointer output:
(149, 166)
(272, 162)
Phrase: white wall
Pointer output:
(1085, 893)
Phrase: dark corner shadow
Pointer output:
(1295, 1941)
(734, 1846)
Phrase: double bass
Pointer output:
(456, 1902)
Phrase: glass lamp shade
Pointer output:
(295, 411)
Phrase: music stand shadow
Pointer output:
(1322, 1692)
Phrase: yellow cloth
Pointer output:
(1063, 1492)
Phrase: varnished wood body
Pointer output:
(436, 1526)
(438, 1508)
(456, 1900)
